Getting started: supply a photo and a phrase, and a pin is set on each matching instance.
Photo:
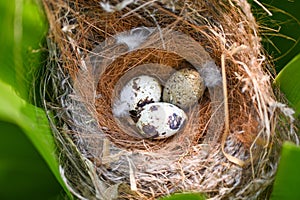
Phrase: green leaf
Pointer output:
(288, 82)
(287, 180)
(185, 196)
(31, 120)
(23, 27)
(34, 124)
(23, 173)
(7, 71)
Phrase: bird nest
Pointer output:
(230, 144)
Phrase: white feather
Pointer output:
(211, 74)
(106, 6)
(110, 8)
(135, 37)
(120, 109)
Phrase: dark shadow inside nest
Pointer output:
(122, 135)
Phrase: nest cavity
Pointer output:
(229, 147)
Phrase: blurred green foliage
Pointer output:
(26, 141)
(23, 172)
(281, 31)
(287, 181)
(23, 27)
(288, 82)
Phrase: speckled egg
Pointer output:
(160, 120)
(184, 88)
(140, 91)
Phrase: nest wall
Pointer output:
(230, 145)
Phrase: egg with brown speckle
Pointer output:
(160, 120)
(184, 88)
(140, 91)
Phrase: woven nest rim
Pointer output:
(240, 59)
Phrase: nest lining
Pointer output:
(105, 160)
(162, 71)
